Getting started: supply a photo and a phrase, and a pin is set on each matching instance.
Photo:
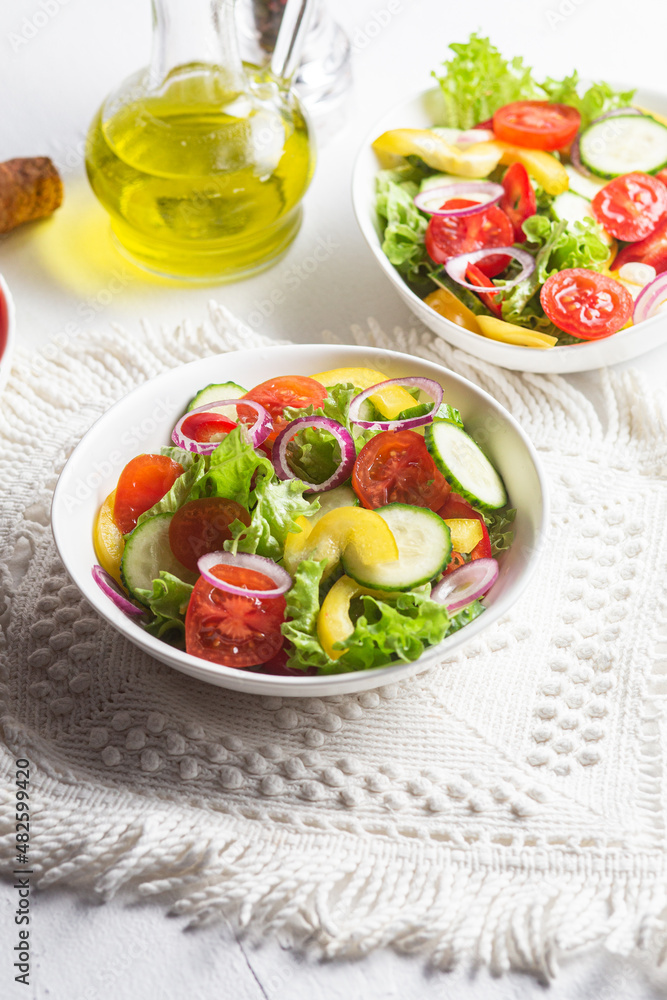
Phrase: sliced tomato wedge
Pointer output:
(396, 467)
(652, 250)
(449, 236)
(631, 206)
(537, 124)
(143, 481)
(519, 201)
(207, 426)
(455, 506)
(232, 629)
(492, 301)
(586, 304)
(202, 526)
(275, 394)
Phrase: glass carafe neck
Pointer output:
(191, 35)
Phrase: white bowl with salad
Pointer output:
(302, 520)
(523, 221)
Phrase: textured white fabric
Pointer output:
(506, 807)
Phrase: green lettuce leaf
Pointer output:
(597, 100)
(300, 627)
(180, 491)
(465, 616)
(386, 631)
(168, 600)
(231, 469)
(450, 413)
(498, 523)
(185, 458)
(396, 631)
(404, 225)
(478, 80)
(275, 506)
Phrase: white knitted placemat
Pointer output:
(506, 807)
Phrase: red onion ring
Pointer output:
(428, 385)
(456, 266)
(259, 431)
(649, 297)
(466, 584)
(260, 564)
(108, 585)
(465, 189)
(348, 451)
(575, 155)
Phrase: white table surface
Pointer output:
(54, 72)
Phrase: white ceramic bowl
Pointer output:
(421, 112)
(7, 331)
(148, 414)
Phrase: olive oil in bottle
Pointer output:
(202, 173)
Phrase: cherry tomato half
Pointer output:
(277, 393)
(519, 201)
(652, 250)
(537, 124)
(450, 235)
(143, 481)
(396, 467)
(232, 629)
(630, 206)
(455, 506)
(202, 526)
(586, 304)
(207, 426)
(491, 300)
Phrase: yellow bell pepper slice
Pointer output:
(651, 114)
(108, 540)
(510, 333)
(446, 304)
(542, 167)
(333, 622)
(364, 530)
(466, 532)
(477, 160)
(390, 401)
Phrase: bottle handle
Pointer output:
(296, 21)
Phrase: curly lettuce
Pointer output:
(403, 224)
(275, 505)
(478, 80)
(385, 631)
(168, 600)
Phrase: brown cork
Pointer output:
(30, 188)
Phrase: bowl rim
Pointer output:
(360, 203)
(8, 351)
(308, 684)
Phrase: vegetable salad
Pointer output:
(342, 521)
(536, 212)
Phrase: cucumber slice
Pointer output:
(342, 496)
(438, 180)
(424, 548)
(571, 207)
(146, 552)
(214, 392)
(587, 187)
(622, 144)
(465, 465)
